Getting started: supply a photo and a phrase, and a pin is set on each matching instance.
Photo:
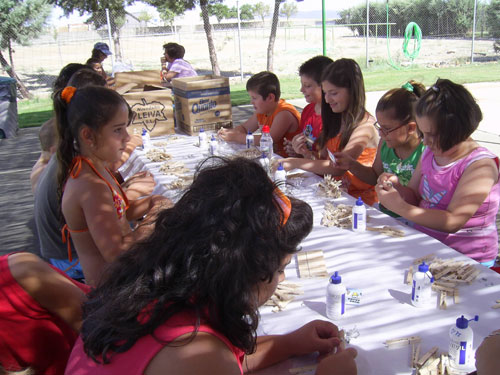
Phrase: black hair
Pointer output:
(174, 50)
(402, 100)
(207, 254)
(92, 106)
(454, 111)
(265, 83)
(86, 77)
(344, 73)
(313, 68)
(65, 75)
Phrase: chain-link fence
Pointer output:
(446, 39)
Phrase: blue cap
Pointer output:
(335, 278)
(463, 323)
(213, 137)
(249, 132)
(144, 131)
(280, 166)
(103, 47)
(202, 130)
(423, 267)
(359, 202)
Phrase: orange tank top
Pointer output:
(356, 187)
(264, 119)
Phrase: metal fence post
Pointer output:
(473, 32)
(367, 29)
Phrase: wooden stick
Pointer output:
(409, 275)
(426, 356)
(456, 299)
(402, 341)
(442, 300)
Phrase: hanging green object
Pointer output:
(412, 30)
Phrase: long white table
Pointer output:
(370, 261)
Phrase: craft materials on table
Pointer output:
(330, 187)
(284, 294)
(156, 155)
(312, 264)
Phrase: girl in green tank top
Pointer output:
(400, 145)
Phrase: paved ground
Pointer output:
(19, 154)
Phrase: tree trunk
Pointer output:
(272, 37)
(10, 71)
(208, 31)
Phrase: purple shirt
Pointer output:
(182, 67)
(478, 238)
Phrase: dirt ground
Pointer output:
(39, 63)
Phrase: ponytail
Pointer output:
(402, 100)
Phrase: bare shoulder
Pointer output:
(205, 354)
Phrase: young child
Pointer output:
(47, 137)
(40, 314)
(281, 117)
(347, 127)
(95, 64)
(310, 125)
(92, 125)
(177, 67)
(186, 299)
(454, 193)
(400, 145)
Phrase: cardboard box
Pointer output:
(202, 102)
(139, 78)
(153, 110)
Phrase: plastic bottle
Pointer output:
(359, 216)
(212, 148)
(250, 140)
(460, 349)
(335, 297)
(266, 142)
(421, 290)
(146, 140)
(202, 138)
(280, 175)
(264, 162)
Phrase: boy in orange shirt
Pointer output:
(281, 117)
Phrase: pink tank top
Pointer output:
(135, 360)
(478, 238)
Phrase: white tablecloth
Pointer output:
(372, 262)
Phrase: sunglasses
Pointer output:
(385, 131)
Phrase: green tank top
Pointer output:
(404, 169)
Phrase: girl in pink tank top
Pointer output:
(185, 300)
(454, 193)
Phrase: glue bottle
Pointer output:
(202, 138)
(280, 175)
(359, 216)
(264, 162)
(266, 142)
(146, 140)
(250, 139)
(421, 290)
(335, 297)
(212, 148)
(460, 349)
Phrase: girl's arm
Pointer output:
(472, 189)
(368, 174)
(239, 133)
(138, 208)
(316, 336)
(363, 136)
(48, 287)
(170, 75)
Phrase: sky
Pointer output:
(58, 19)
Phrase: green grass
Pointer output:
(378, 78)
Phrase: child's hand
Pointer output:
(343, 160)
(340, 363)
(316, 336)
(299, 144)
(388, 195)
(387, 180)
(289, 148)
(139, 185)
(225, 134)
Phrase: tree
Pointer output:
(183, 5)
(116, 21)
(272, 36)
(246, 12)
(262, 10)
(145, 16)
(220, 11)
(493, 19)
(288, 10)
(20, 22)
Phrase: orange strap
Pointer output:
(65, 233)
